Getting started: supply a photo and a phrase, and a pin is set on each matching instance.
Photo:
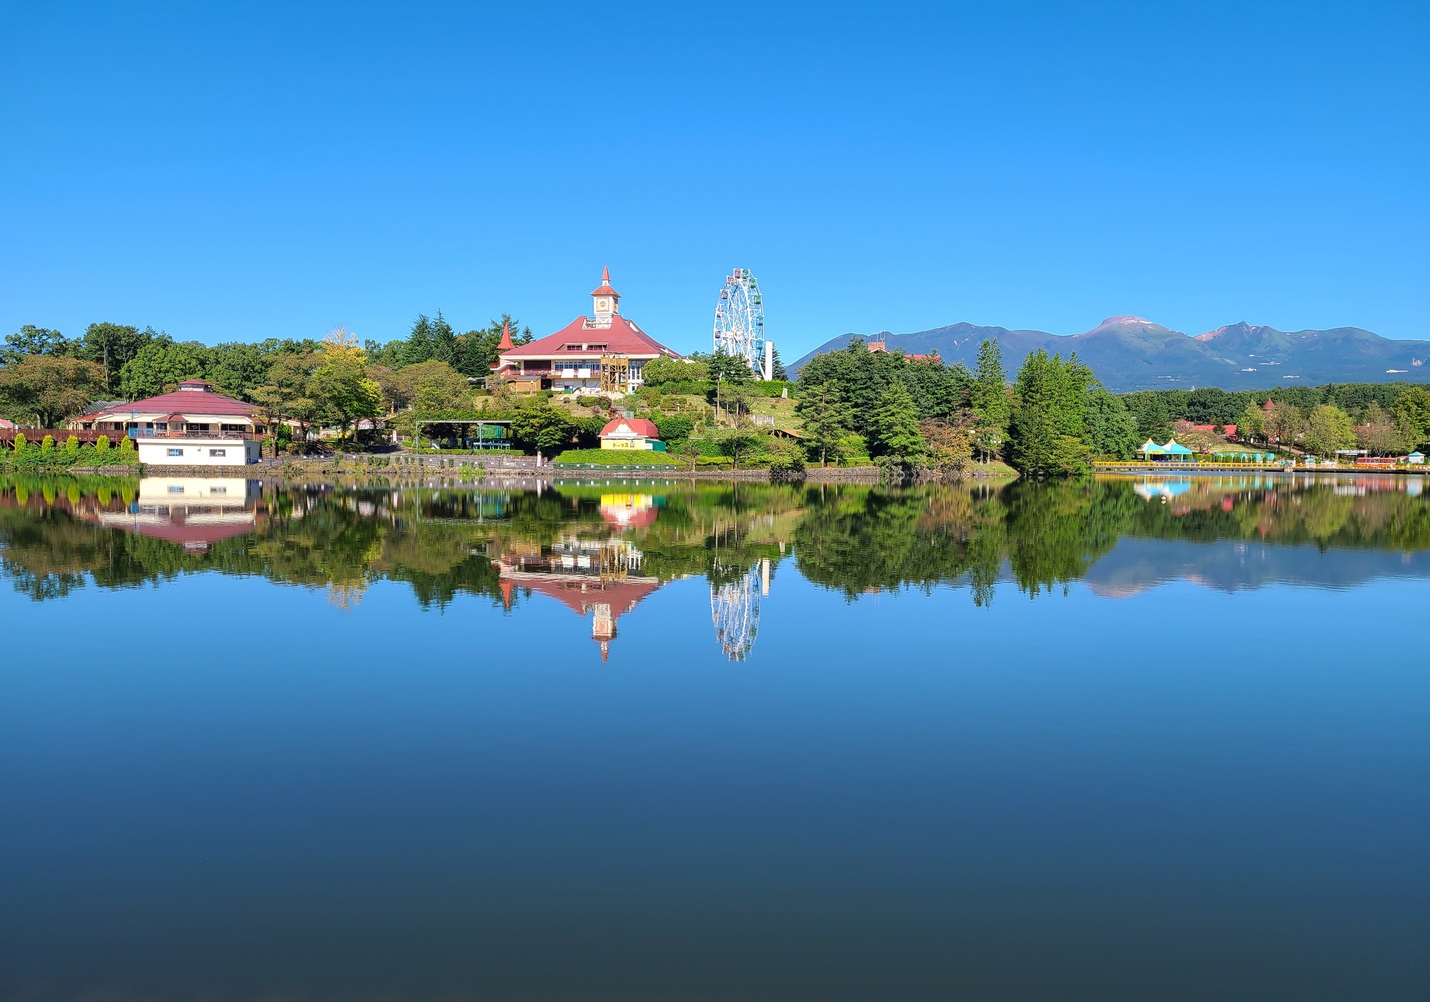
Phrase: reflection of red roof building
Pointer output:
(627, 511)
(586, 576)
(194, 513)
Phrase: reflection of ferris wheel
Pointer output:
(735, 609)
(740, 322)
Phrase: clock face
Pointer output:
(603, 306)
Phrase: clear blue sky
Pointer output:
(279, 169)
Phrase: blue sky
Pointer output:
(280, 169)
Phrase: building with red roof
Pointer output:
(601, 353)
(192, 426)
(631, 433)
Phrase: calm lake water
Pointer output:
(1102, 740)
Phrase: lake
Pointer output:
(1111, 739)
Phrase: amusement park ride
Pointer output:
(740, 323)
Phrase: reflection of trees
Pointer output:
(1056, 530)
(442, 542)
(861, 539)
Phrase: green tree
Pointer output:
(113, 346)
(1328, 428)
(1111, 428)
(659, 371)
(341, 384)
(289, 394)
(32, 340)
(896, 428)
(777, 368)
(827, 418)
(48, 388)
(1048, 427)
(537, 425)
(237, 368)
(1250, 427)
(1412, 416)
(736, 442)
(419, 346)
(989, 392)
(161, 365)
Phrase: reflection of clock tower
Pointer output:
(605, 300)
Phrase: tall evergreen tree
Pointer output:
(1048, 425)
(419, 347)
(896, 427)
(827, 417)
(989, 393)
(444, 340)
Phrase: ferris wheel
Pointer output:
(735, 610)
(740, 322)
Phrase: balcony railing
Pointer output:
(166, 434)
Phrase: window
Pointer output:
(176, 452)
(218, 490)
(217, 453)
(175, 489)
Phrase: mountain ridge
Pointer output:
(1128, 352)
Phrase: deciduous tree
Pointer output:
(48, 388)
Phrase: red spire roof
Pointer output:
(506, 344)
(605, 287)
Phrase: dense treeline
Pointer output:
(46, 377)
(921, 418)
(1382, 418)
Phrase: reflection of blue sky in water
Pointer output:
(230, 782)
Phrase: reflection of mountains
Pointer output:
(1137, 565)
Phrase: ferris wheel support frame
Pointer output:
(739, 327)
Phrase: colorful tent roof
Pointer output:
(1175, 448)
(1151, 448)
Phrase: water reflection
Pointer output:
(602, 551)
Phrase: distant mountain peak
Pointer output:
(1129, 352)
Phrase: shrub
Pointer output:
(674, 427)
(126, 446)
(101, 445)
(72, 446)
(47, 444)
(20, 443)
(617, 457)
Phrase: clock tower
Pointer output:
(605, 300)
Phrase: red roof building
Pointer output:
(194, 407)
(601, 353)
(631, 433)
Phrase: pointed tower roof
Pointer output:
(605, 287)
(506, 344)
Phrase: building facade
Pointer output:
(604, 353)
(193, 426)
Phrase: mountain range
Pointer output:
(1130, 353)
